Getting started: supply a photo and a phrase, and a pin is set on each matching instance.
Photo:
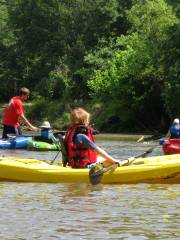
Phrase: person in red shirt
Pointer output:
(14, 112)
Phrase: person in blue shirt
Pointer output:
(47, 133)
(174, 130)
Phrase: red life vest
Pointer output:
(79, 156)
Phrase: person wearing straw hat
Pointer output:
(174, 130)
(47, 132)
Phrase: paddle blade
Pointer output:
(96, 173)
(147, 152)
(140, 139)
(94, 177)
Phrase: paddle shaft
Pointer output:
(55, 157)
(95, 176)
(149, 139)
(103, 170)
(144, 154)
(62, 148)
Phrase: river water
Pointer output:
(80, 211)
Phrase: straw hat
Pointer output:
(45, 124)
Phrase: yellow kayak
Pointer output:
(159, 169)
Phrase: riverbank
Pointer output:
(37, 112)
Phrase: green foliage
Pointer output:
(134, 80)
(123, 55)
(41, 109)
(37, 110)
(59, 83)
(62, 122)
(171, 67)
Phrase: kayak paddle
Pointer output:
(148, 139)
(62, 148)
(96, 172)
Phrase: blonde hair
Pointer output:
(79, 116)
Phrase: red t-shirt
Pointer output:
(13, 111)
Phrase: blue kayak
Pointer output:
(15, 142)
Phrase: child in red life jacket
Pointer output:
(79, 143)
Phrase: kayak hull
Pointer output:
(171, 146)
(161, 169)
(15, 143)
(42, 146)
(24, 142)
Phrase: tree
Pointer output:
(135, 76)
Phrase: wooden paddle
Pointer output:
(96, 172)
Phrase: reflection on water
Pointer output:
(81, 211)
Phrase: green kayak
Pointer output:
(42, 146)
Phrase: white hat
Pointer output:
(45, 124)
(176, 121)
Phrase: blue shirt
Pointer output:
(48, 133)
(175, 131)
